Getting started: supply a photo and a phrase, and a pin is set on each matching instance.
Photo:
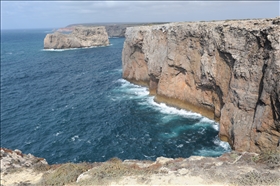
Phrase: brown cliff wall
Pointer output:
(226, 70)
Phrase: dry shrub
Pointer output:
(257, 178)
(66, 173)
(40, 167)
(270, 158)
(113, 170)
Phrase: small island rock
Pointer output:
(81, 37)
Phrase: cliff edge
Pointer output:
(18, 169)
(226, 70)
(79, 38)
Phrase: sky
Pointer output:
(58, 14)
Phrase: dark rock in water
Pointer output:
(226, 70)
(79, 38)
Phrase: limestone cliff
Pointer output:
(116, 30)
(80, 37)
(226, 70)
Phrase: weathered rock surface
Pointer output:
(79, 38)
(226, 70)
(16, 159)
(116, 30)
(229, 169)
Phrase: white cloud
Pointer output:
(62, 13)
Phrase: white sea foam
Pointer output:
(66, 49)
(223, 144)
(163, 108)
(148, 156)
(75, 137)
(209, 121)
(180, 145)
(216, 126)
(136, 91)
(59, 50)
(124, 83)
(209, 152)
(206, 120)
(202, 131)
(58, 133)
(173, 134)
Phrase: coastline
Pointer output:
(220, 69)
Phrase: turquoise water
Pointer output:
(73, 106)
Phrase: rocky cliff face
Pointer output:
(226, 70)
(116, 30)
(80, 37)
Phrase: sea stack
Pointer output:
(228, 71)
(81, 37)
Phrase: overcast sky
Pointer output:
(55, 14)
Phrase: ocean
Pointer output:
(73, 106)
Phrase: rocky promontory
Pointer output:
(80, 37)
(228, 71)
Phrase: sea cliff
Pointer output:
(228, 71)
(79, 38)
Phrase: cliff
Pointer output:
(226, 70)
(80, 37)
(229, 169)
(116, 30)
(113, 29)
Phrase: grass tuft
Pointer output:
(41, 167)
(270, 158)
(256, 178)
(66, 173)
(113, 170)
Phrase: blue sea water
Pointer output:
(74, 106)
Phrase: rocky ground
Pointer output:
(232, 168)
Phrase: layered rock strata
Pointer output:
(226, 70)
(79, 38)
